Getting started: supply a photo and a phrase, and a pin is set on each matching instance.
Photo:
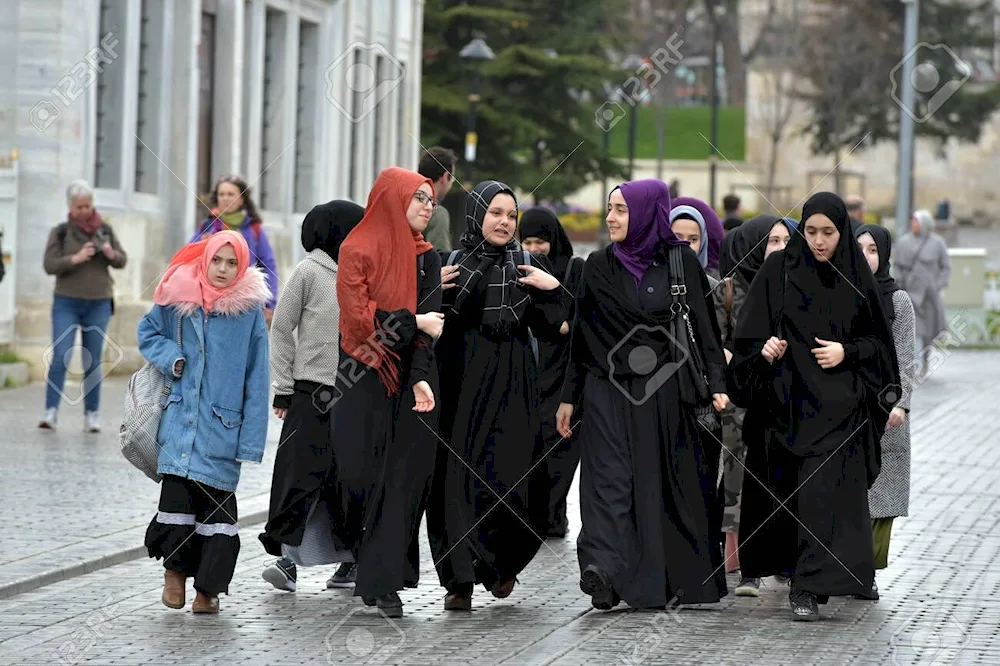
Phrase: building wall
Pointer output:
(135, 123)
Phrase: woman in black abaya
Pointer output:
(541, 233)
(491, 444)
(814, 361)
(648, 474)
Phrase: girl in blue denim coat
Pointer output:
(214, 418)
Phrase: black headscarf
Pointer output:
(746, 246)
(326, 226)
(799, 298)
(506, 299)
(542, 223)
(886, 285)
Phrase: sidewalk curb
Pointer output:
(97, 563)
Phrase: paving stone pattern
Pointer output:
(940, 602)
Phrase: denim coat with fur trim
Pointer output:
(216, 414)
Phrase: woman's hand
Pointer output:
(448, 276)
(280, 413)
(563, 416)
(84, 253)
(423, 396)
(720, 401)
(538, 278)
(109, 252)
(830, 355)
(431, 323)
(897, 417)
(564, 329)
(773, 349)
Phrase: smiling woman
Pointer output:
(491, 425)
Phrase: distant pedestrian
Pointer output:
(206, 331)
(79, 253)
(305, 358)
(438, 164)
(889, 497)
(233, 208)
(856, 210)
(731, 209)
(923, 269)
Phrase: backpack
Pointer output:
(527, 261)
(139, 431)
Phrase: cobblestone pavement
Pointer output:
(69, 496)
(939, 600)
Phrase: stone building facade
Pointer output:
(152, 100)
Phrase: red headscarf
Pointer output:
(378, 270)
(186, 279)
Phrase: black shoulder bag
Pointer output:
(692, 374)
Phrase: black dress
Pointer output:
(564, 453)
(491, 444)
(383, 451)
(812, 434)
(648, 474)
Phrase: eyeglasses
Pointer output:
(424, 199)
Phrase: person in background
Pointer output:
(206, 330)
(675, 188)
(694, 220)
(923, 269)
(79, 253)
(233, 208)
(305, 357)
(438, 164)
(541, 233)
(731, 207)
(889, 497)
(856, 210)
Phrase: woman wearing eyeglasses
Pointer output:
(388, 288)
(233, 208)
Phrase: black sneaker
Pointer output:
(343, 578)
(805, 607)
(872, 594)
(281, 574)
(748, 587)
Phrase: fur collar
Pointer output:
(249, 293)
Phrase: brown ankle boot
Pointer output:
(205, 604)
(173, 588)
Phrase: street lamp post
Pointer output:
(904, 189)
(477, 50)
(713, 159)
(632, 65)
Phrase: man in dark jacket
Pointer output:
(438, 164)
(731, 206)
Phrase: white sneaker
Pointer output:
(90, 418)
(49, 422)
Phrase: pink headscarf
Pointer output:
(186, 279)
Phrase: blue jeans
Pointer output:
(91, 317)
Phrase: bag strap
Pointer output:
(527, 257)
(569, 269)
(729, 296)
(452, 257)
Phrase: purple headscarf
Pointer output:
(648, 203)
(713, 226)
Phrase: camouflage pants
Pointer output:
(734, 455)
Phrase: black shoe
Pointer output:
(595, 583)
(344, 578)
(805, 607)
(281, 573)
(390, 605)
(871, 595)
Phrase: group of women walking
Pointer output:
(693, 377)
